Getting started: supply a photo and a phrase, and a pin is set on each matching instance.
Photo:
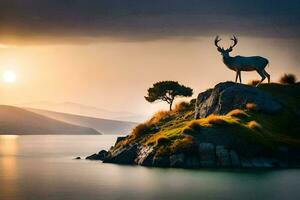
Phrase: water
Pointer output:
(43, 168)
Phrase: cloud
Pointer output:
(137, 20)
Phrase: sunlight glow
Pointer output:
(9, 76)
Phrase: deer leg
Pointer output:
(267, 75)
(240, 75)
(263, 77)
(236, 76)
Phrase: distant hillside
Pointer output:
(14, 120)
(84, 110)
(104, 126)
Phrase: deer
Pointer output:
(242, 63)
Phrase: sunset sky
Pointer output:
(106, 53)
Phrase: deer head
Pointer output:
(225, 52)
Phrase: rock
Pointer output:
(257, 163)
(192, 162)
(246, 163)
(120, 139)
(77, 158)
(93, 157)
(268, 163)
(142, 155)
(262, 163)
(161, 161)
(227, 96)
(148, 161)
(99, 156)
(235, 161)
(125, 155)
(207, 155)
(223, 157)
(177, 160)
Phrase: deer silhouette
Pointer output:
(241, 63)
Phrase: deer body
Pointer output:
(242, 63)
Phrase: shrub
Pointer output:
(288, 79)
(237, 113)
(193, 102)
(182, 107)
(192, 128)
(251, 106)
(215, 120)
(253, 82)
(142, 129)
(194, 125)
(161, 116)
(163, 141)
(254, 125)
(182, 145)
(189, 131)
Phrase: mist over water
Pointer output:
(42, 167)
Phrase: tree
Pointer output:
(288, 79)
(167, 91)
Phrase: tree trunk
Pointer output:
(171, 103)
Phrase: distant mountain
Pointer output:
(14, 120)
(104, 126)
(84, 110)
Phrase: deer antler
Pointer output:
(217, 40)
(235, 41)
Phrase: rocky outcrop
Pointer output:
(98, 156)
(217, 143)
(227, 96)
(207, 156)
(125, 155)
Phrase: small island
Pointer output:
(229, 126)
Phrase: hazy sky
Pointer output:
(106, 53)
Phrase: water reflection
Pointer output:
(8, 145)
(8, 164)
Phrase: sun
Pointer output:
(9, 76)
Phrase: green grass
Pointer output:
(236, 123)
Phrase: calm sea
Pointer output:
(42, 168)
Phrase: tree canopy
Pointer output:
(167, 91)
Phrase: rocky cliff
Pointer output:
(229, 126)
(228, 96)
